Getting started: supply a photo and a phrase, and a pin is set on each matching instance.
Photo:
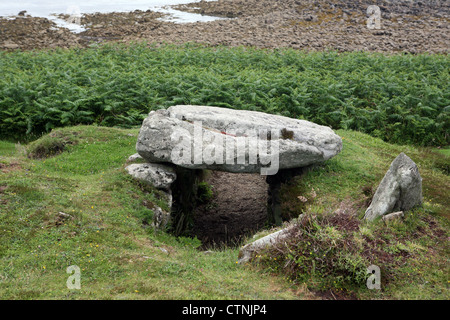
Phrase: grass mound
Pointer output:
(51, 144)
(333, 251)
(80, 207)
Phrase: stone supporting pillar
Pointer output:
(274, 199)
(184, 199)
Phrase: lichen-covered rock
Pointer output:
(393, 216)
(240, 141)
(400, 189)
(160, 218)
(134, 157)
(158, 175)
(247, 252)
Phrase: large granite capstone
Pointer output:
(239, 141)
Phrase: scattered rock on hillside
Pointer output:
(134, 157)
(160, 218)
(400, 189)
(393, 216)
(247, 252)
(406, 26)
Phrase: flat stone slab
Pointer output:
(247, 252)
(158, 175)
(240, 141)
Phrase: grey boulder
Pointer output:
(160, 218)
(158, 175)
(240, 141)
(400, 189)
(247, 252)
(134, 157)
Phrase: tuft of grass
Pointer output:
(204, 192)
(7, 148)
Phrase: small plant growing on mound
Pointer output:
(50, 145)
(332, 251)
(204, 192)
(321, 249)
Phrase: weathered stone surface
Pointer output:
(134, 157)
(393, 216)
(200, 137)
(247, 252)
(10, 45)
(160, 218)
(158, 175)
(400, 189)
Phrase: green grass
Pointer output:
(445, 151)
(121, 257)
(7, 148)
(399, 98)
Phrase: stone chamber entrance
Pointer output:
(236, 208)
(224, 169)
(222, 208)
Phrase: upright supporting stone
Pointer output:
(184, 199)
(274, 200)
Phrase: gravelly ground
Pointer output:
(406, 26)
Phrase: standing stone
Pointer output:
(274, 192)
(400, 189)
(184, 193)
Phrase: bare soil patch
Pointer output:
(6, 168)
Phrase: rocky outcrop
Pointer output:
(319, 25)
(400, 189)
(406, 26)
